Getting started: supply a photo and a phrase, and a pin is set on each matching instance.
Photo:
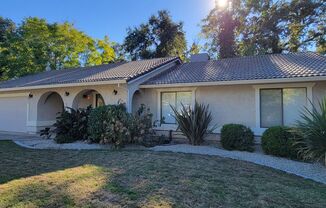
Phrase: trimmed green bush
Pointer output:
(278, 141)
(237, 137)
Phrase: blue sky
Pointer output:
(109, 17)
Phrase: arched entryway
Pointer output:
(87, 98)
(136, 101)
(48, 107)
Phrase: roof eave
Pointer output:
(51, 86)
(238, 82)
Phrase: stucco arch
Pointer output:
(49, 105)
(136, 101)
(88, 97)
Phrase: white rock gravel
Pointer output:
(315, 172)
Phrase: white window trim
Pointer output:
(308, 86)
(159, 91)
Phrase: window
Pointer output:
(281, 106)
(174, 99)
(99, 101)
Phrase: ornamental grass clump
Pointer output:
(311, 132)
(193, 123)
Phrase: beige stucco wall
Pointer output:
(25, 108)
(49, 105)
(228, 104)
(319, 91)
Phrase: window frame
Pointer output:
(282, 101)
(166, 127)
(260, 107)
(176, 100)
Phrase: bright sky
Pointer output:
(109, 17)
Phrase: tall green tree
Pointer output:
(7, 33)
(219, 29)
(306, 24)
(36, 45)
(159, 37)
(268, 26)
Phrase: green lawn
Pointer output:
(53, 178)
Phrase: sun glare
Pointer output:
(222, 3)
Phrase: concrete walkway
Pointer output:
(50, 144)
(34, 141)
(315, 172)
(18, 136)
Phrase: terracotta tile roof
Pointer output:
(245, 68)
(117, 71)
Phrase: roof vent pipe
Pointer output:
(200, 57)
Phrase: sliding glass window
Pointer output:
(174, 99)
(281, 106)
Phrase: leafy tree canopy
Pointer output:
(35, 45)
(250, 27)
(159, 37)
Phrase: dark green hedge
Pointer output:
(278, 141)
(237, 137)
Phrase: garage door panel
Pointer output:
(13, 114)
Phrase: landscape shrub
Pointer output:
(140, 124)
(311, 133)
(71, 125)
(193, 123)
(278, 141)
(109, 125)
(112, 124)
(237, 137)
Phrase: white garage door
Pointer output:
(13, 114)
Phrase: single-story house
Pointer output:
(257, 91)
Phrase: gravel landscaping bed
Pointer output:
(315, 171)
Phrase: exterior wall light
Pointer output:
(115, 92)
(30, 95)
(67, 93)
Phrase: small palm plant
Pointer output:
(193, 123)
(311, 131)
